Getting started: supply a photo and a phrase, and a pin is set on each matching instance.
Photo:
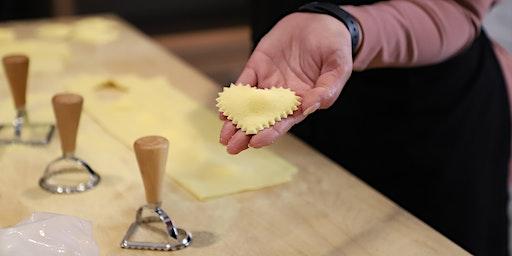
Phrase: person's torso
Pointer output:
(400, 117)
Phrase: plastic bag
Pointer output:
(48, 234)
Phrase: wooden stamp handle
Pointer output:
(67, 108)
(16, 70)
(151, 153)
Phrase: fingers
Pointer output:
(235, 140)
(227, 131)
(238, 142)
(269, 135)
(222, 116)
(248, 76)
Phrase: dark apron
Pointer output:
(434, 139)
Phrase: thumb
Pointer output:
(311, 100)
(327, 89)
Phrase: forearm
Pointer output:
(400, 33)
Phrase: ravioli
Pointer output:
(252, 109)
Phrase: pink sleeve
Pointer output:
(400, 33)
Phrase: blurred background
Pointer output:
(213, 36)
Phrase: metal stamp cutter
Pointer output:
(68, 174)
(151, 153)
(21, 130)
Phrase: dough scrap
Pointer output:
(252, 109)
(197, 161)
(112, 85)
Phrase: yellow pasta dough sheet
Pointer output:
(6, 34)
(45, 57)
(93, 30)
(48, 48)
(129, 107)
(252, 109)
(54, 30)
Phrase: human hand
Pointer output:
(307, 52)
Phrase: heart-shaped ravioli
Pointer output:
(252, 109)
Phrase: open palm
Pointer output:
(308, 53)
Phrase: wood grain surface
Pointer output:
(324, 210)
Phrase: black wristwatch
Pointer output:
(338, 13)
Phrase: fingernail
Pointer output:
(311, 109)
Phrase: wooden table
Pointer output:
(324, 210)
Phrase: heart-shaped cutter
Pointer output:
(182, 237)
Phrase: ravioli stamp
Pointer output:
(252, 109)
